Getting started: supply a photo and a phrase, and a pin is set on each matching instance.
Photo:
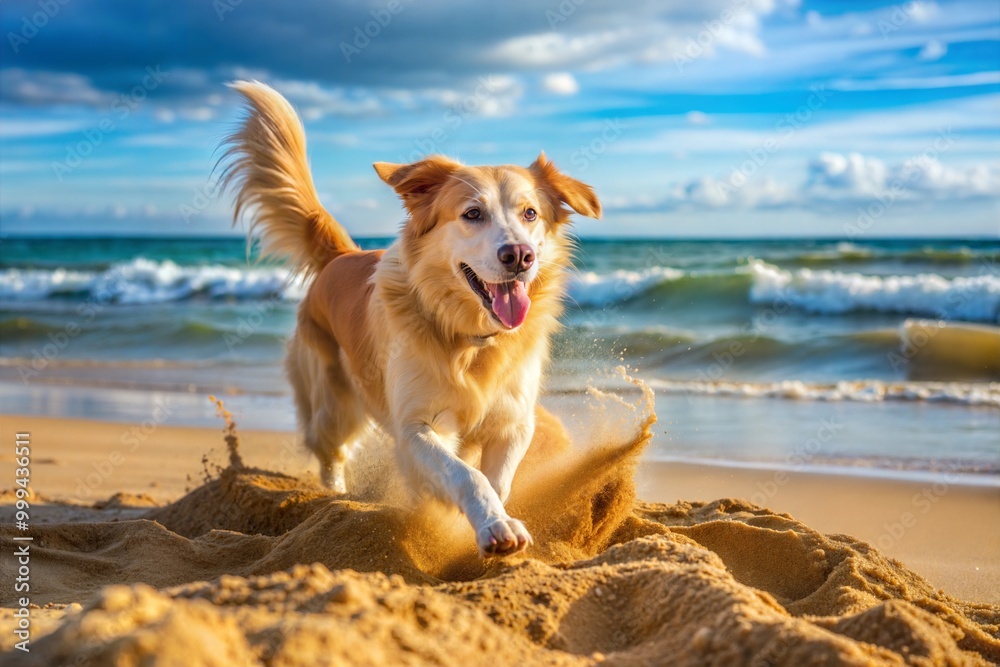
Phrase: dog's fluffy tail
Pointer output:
(265, 166)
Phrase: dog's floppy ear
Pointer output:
(566, 190)
(416, 183)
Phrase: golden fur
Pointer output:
(401, 337)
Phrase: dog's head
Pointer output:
(481, 240)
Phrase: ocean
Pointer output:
(870, 357)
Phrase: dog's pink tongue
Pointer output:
(510, 302)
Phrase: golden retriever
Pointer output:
(440, 339)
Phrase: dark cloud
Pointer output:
(419, 45)
(300, 40)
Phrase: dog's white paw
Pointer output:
(502, 537)
(339, 484)
(334, 478)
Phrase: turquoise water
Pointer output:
(745, 338)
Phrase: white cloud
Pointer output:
(697, 118)
(607, 35)
(19, 167)
(38, 88)
(853, 173)
(921, 11)
(494, 96)
(893, 133)
(197, 113)
(837, 176)
(831, 179)
(23, 129)
(366, 204)
(174, 136)
(164, 115)
(763, 192)
(311, 113)
(853, 46)
(933, 50)
(338, 139)
(560, 83)
(705, 191)
(921, 83)
(925, 174)
(316, 100)
(552, 50)
(708, 193)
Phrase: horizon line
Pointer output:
(380, 237)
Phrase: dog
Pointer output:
(440, 339)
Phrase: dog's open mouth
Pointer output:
(508, 302)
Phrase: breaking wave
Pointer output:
(972, 298)
(142, 281)
(828, 292)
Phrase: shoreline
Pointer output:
(80, 462)
(987, 480)
(884, 440)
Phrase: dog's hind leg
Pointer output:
(330, 415)
(338, 420)
(331, 433)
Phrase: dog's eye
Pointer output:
(472, 214)
(530, 214)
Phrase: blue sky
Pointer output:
(718, 118)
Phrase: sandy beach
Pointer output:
(445, 334)
(126, 562)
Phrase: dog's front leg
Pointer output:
(504, 449)
(430, 455)
(507, 432)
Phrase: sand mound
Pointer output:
(259, 568)
(642, 602)
(126, 501)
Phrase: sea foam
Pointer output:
(596, 290)
(972, 298)
(142, 281)
(985, 394)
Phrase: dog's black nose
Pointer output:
(516, 257)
